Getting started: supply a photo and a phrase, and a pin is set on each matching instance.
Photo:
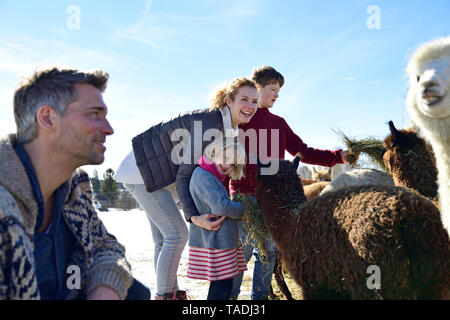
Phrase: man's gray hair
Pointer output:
(50, 86)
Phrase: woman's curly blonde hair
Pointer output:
(230, 91)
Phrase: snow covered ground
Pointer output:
(132, 229)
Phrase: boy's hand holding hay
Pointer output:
(373, 147)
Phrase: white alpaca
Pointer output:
(338, 169)
(428, 104)
(358, 177)
(330, 173)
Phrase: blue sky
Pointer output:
(166, 57)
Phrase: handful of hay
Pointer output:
(373, 147)
(255, 227)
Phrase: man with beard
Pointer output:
(52, 243)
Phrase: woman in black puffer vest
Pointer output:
(167, 153)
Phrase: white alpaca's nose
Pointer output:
(431, 90)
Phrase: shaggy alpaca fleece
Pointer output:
(428, 104)
(328, 243)
(306, 182)
(357, 177)
(313, 190)
(411, 161)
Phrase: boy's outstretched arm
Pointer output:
(327, 158)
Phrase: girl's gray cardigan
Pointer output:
(210, 196)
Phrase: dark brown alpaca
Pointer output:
(410, 161)
(312, 189)
(328, 243)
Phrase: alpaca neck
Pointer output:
(281, 215)
(442, 153)
(279, 223)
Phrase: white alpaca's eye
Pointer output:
(418, 78)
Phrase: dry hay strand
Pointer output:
(371, 146)
(255, 227)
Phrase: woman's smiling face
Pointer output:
(243, 106)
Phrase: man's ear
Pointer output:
(46, 117)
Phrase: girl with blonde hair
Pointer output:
(216, 254)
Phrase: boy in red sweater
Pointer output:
(268, 136)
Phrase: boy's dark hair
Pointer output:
(265, 75)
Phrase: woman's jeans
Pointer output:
(263, 270)
(169, 233)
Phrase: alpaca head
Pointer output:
(410, 160)
(428, 99)
(322, 175)
(284, 183)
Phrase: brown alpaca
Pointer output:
(307, 182)
(313, 190)
(322, 175)
(328, 243)
(410, 161)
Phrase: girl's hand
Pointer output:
(203, 221)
